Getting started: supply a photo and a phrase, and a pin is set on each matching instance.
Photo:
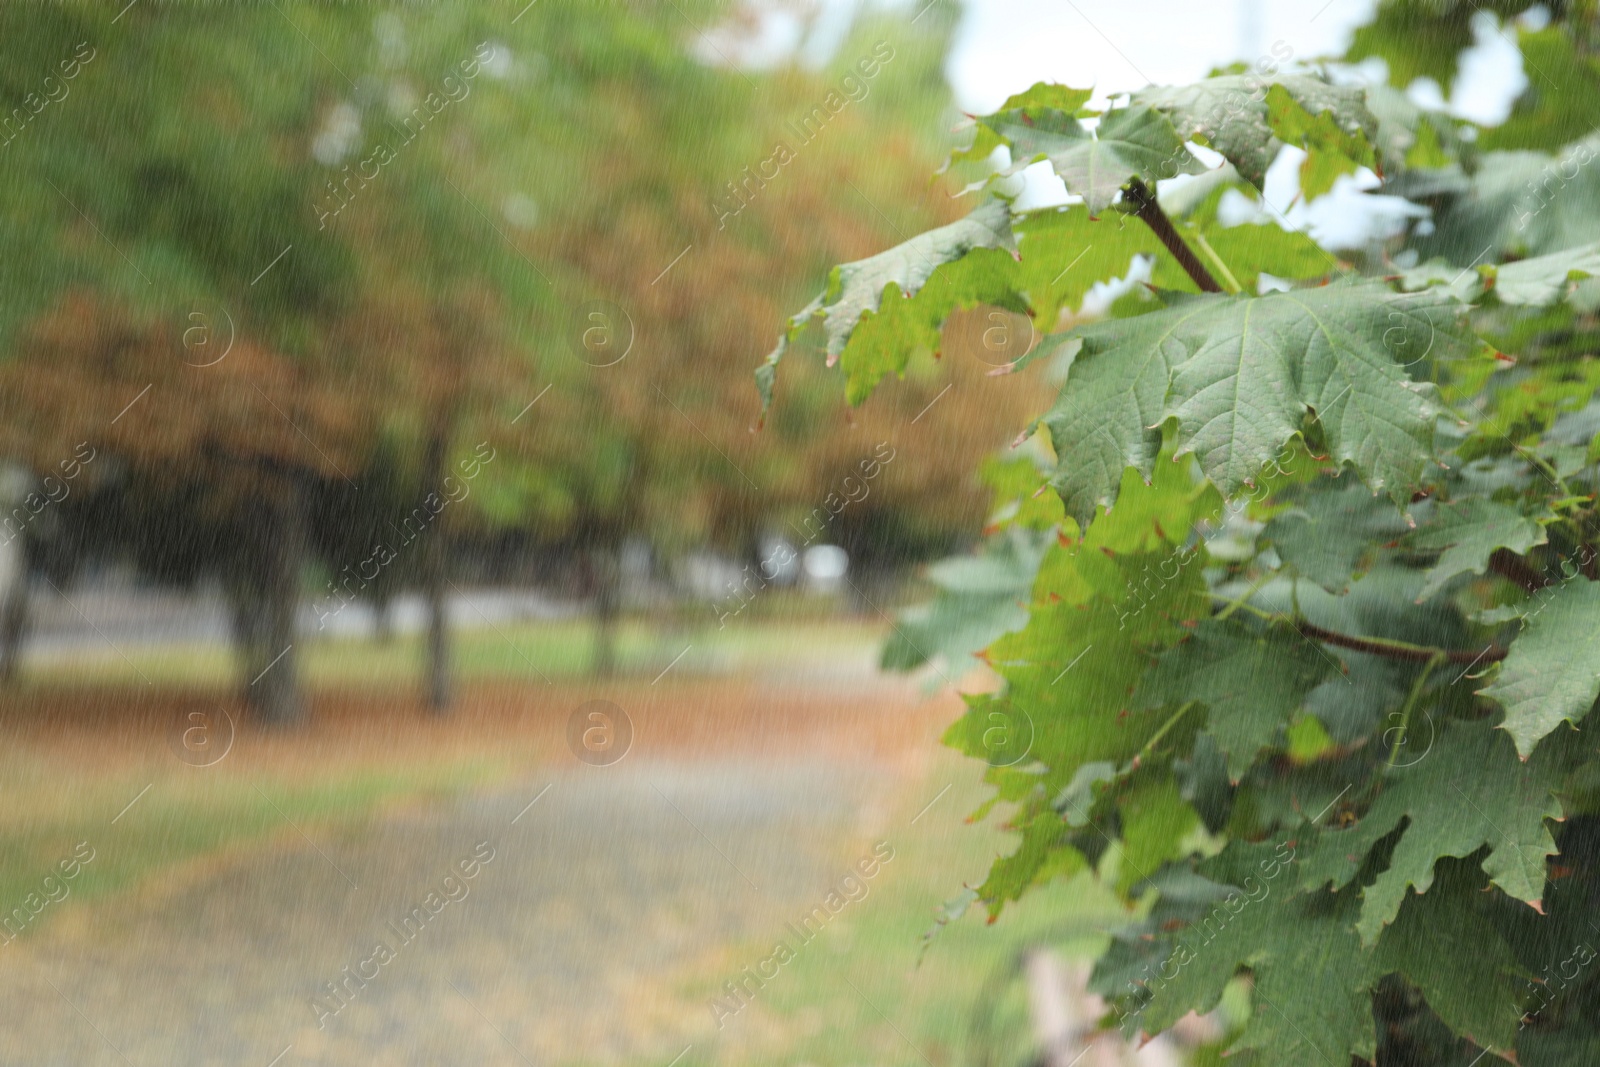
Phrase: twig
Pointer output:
(1377, 646)
(1400, 650)
(1411, 703)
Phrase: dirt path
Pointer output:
(565, 946)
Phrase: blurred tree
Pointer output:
(704, 215)
(391, 277)
(200, 313)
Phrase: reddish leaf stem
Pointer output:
(1410, 655)
(1149, 212)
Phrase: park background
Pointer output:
(378, 410)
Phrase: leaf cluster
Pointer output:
(1293, 599)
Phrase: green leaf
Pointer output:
(1503, 804)
(949, 912)
(1048, 95)
(1034, 103)
(1070, 671)
(1565, 1047)
(859, 288)
(1553, 671)
(882, 342)
(1446, 945)
(996, 730)
(1230, 114)
(1065, 252)
(1357, 521)
(1331, 149)
(1251, 250)
(1307, 740)
(1060, 256)
(1043, 854)
(1072, 668)
(1469, 531)
(1251, 682)
(1097, 612)
(1560, 106)
(1539, 281)
(1410, 136)
(1130, 142)
(1526, 203)
(1241, 376)
(1312, 1001)
(1416, 38)
(979, 598)
(1439, 273)
(1155, 822)
(1019, 487)
(1542, 279)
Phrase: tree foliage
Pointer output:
(1299, 654)
(374, 245)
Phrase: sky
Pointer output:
(1119, 45)
(1003, 46)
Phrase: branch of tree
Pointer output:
(1148, 209)
(1398, 650)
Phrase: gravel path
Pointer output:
(567, 945)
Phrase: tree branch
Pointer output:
(1143, 199)
(1397, 649)
(1377, 646)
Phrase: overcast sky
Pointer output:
(1006, 45)
(1003, 46)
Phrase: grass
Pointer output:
(522, 651)
(145, 819)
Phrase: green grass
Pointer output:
(177, 821)
(523, 651)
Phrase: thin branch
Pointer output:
(1377, 646)
(1399, 650)
(1149, 212)
(1169, 724)
(1411, 703)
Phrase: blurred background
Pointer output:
(386, 498)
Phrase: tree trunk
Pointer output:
(247, 600)
(244, 611)
(13, 628)
(269, 601)
(383, 616)
(439, 680)
(606, 573)
(432, 565)
(14, 608)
